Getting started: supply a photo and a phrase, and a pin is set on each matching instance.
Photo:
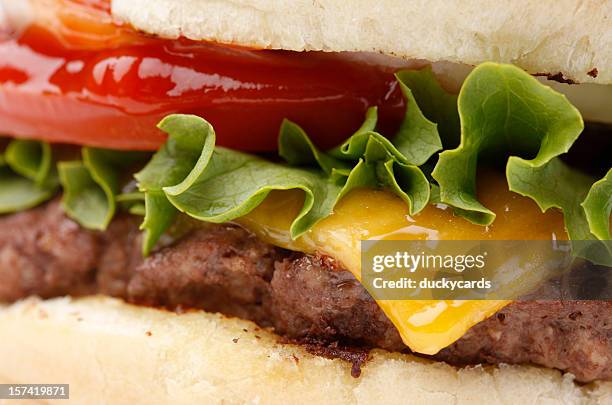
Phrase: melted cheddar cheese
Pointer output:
(425, 326)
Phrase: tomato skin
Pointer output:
(60, 119)
(114, 97)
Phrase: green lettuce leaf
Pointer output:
(218, 185)
(413, 145)
(32, 160)
(507, 114)
(234, 183)
(181, 158)
(436, 104)
(503, 111)
(159, 214)
(91, 185)
(18, 193)
(418, 138)
(132, 202)
(27, 175)
(380, 161)
(298, 150)
(598, 207)
(557, 185)
(83, 200)
(139, 210)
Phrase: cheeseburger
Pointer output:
(187, 188)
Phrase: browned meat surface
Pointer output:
(570, 335)
(310, 298)
(221, 268)
(316, 299)
(44, 253)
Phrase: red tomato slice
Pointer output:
(105, 90)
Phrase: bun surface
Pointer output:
(112, 352)
(570, 37)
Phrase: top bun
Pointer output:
(568, 39)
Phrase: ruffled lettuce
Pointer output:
(27, 175)
(437, 105)
(182, 154)
(503, 112)
(213, 184)
(132, 202)
(507, 114)
(598, 207)
(91, 185)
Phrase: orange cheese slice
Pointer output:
(425, 326)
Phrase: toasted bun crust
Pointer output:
(571, 37)
(111, 352)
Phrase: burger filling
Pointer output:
(309, 298)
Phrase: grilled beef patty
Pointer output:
(309, 298)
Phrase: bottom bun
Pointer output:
(112, 352)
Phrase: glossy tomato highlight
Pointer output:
(111, 86)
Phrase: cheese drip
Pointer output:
(425, 326)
